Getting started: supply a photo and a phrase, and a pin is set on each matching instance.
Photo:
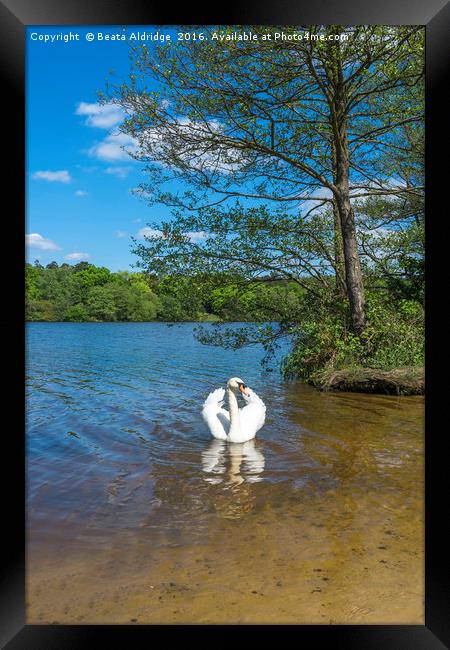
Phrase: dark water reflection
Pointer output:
(123, 472)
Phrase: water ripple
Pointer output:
(115, 439)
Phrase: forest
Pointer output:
(87, 293)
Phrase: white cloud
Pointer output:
(101, 116)
(379, 186)
(114, 147)
(152, 233)
(199, 235)
(81, 193)
(120, 172)
(121, 234)
(77, 256)
(152, 141)
(320, 193)
(53, 177)
(34, 240)
(200, 154)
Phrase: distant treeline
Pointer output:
(85, 292)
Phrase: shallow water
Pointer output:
(136, 515)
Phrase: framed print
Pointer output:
(225, 421)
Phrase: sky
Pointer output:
(79, 180)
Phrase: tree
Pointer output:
(76, 313)
(181, 297)
(100, 304)
(74, 293)
(297, 123)
(31, 277)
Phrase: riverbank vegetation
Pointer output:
(401, 381)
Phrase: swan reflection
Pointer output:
(224, 462)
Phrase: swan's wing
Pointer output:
(215, 416)
(253, 415)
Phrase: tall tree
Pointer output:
(298, 122)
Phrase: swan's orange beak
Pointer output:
(243, 389)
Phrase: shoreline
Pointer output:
(400, 381)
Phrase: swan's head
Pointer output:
(237, 384)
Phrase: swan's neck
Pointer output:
(235, 425)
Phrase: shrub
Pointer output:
(393, 338)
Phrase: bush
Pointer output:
(40, 310)
(76, 313)
(393, 338)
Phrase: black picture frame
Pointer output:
(15, 15)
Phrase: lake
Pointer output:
(136, 515)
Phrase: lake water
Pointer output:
(136, 515)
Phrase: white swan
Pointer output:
(239, 425)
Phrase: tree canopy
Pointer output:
(296, 133)
(296, 162)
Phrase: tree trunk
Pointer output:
(353, 277)
(339, 263)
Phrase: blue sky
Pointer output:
(80, 204)
(79, 181)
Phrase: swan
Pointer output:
(239, 425)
